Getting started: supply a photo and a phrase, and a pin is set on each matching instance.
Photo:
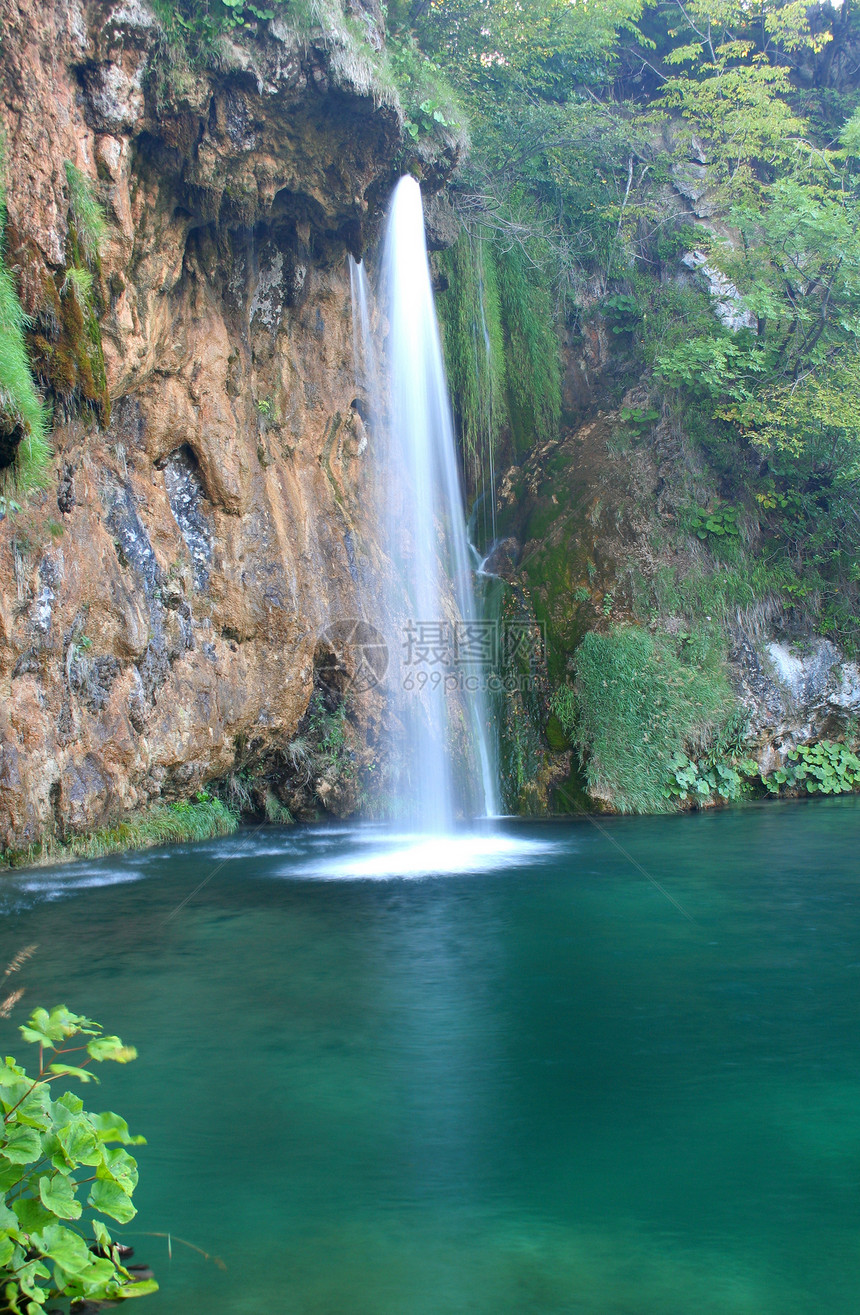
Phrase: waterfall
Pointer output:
(365, 358)
(444, 768)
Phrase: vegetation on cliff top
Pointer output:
(395, 72)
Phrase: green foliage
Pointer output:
(194, 26)
(583, 118)
(701, 780)
(532, 351)
(719, 523)
(640, 703)
(822, 768)
(164, 824)
(621, 312)
(79, 282)
(81, 295)
(327, 728)
(88, 217)
(474, 340)
(640, 419)
(239, 13)
(21, 407)
(429, 102)
(514, 45)
(46, 1145)
(276, 812)
(501, 347)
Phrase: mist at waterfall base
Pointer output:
(442, 759)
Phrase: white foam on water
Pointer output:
(418, 856)
(55, 885)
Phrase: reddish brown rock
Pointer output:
(162, 598)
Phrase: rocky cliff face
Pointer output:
(163, 598)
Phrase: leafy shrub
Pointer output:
(241, 12)
(428, 99)
(637, 417)
(702, 780)
(720, 522)
(823, 768)
(639, 704)
(327, 729)
(621, 312)
(44, 1252)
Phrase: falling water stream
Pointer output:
(446, 766)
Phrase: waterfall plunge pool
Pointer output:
(531, 1084)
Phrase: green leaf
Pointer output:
(23, 1146)
(144, 1288)
(27, 1279)
(58, 1195)
(70, 1101)
(75, 1143)
(120, 1166)
(10, 1174)
(109, 1198)
(110, 1127)
(68, 1070)
(7, 1250)
(100, 1278)
(110, 1047)
(66, 1248)
(45, 1029)
(101, 1234)
(32, 1215)
(10, 1073)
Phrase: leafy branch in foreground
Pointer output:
(44, 1144)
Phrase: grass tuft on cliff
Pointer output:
(22, 411)
(165, 824)
(87, 215)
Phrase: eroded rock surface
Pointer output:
(161, 600)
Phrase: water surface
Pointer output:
(532, 1084)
